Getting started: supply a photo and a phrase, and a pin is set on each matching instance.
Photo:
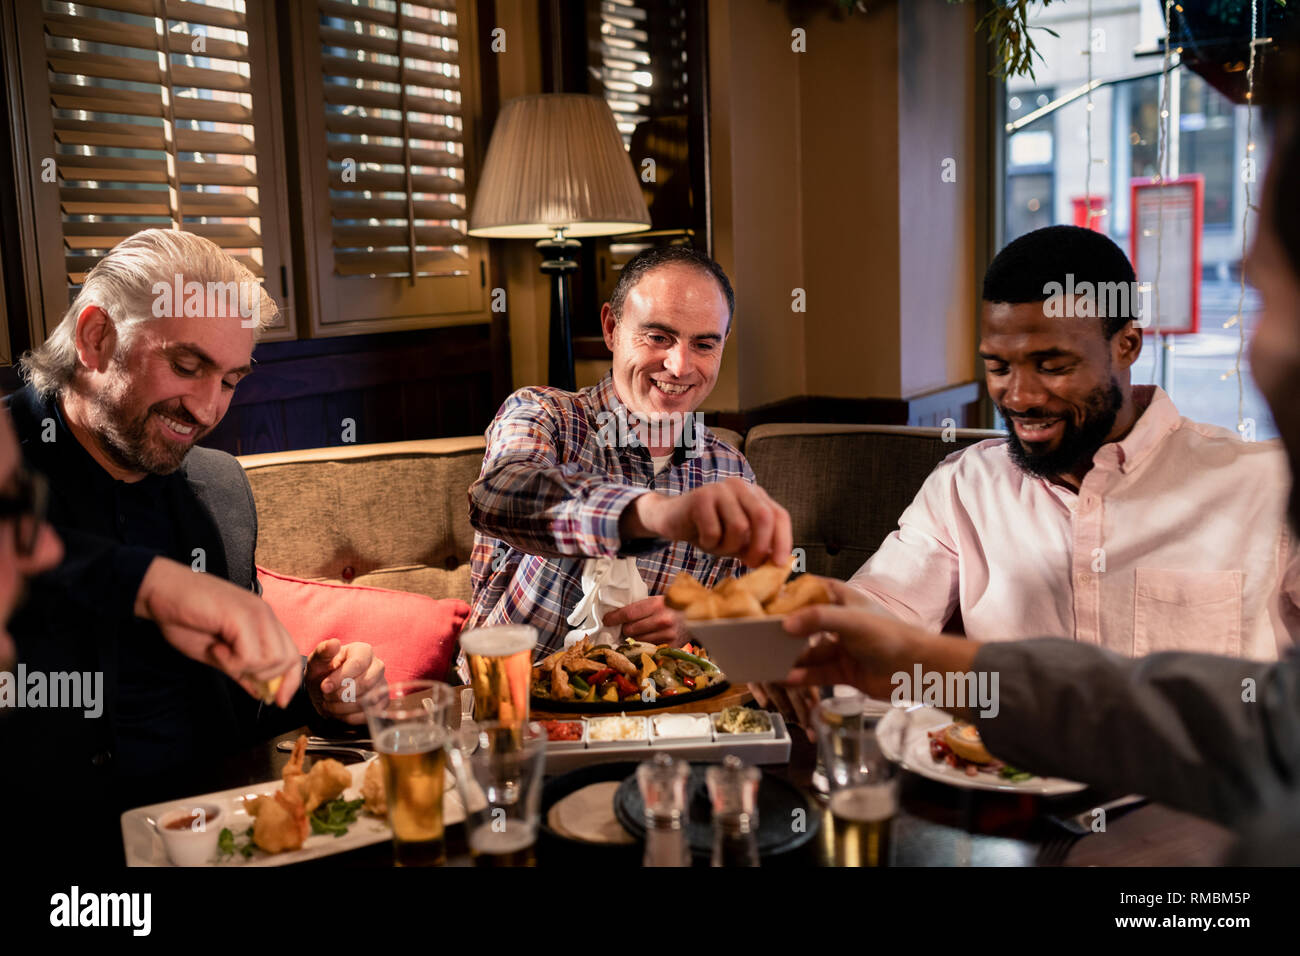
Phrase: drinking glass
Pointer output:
(501, 786)
(408, 725)
(863, 782)
(500, 671)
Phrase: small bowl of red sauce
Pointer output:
(564, 734)
(190, 833)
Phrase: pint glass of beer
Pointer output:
(863, 783)
(501, 787)
(408, 724)
(500, 671)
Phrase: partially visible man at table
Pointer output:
(1105, 516)
(117, 397)
(1214, 735)
(28, 545)
(622, 469)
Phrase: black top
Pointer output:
(166, 719)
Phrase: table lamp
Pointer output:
(556, 170)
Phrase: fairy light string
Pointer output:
(1236, 318)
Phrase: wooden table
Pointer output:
(938, 825)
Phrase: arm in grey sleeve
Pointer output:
(1217, 736)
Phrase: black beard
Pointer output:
(1079, 443)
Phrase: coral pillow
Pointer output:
(414, 635)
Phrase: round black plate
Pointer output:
(618, 707)
(554, 847)
(779, 805)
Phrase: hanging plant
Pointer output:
(1007, 25)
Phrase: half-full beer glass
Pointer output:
(408, 724)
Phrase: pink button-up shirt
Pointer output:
(1176, 540)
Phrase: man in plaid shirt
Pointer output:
(569, 476)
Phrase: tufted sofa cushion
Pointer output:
(845, 486)
(387, 515)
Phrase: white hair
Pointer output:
(125, 285)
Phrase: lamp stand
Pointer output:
(558, 263)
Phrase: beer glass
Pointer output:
(863, 782)
(501, 787)
(500, 671)
(408, 724)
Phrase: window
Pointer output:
(384, 164)
(139, 120)
(172, 114)
(1207, 137)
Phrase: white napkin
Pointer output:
(607, 584)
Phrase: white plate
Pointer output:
(144, 847)
(916, 757)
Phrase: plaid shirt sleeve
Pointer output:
(526, 499)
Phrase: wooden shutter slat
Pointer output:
(183, 43)
(119, 169)
(119, 135)
(397, 263)
(114, 202)
(203, 141)
(393, 155)
(356, 237)
(340, 95)
(104, 67)
(205, 15)
(218, 111)
(225, 205)
(355, 40)
(144, 8)
(360, 70)
(226, 234)
(395, 209)
(72, 96)
(214, 174)
(396, 182)
(205, 79)
(101, 31)
(375, 126)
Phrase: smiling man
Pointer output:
(1105, 515)
(622, 469)
(116, 400)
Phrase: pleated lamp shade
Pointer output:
(556, 161)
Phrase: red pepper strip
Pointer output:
(688, 681)
(625, 686)
(599, 676)
(669, 692)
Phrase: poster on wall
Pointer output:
(1165, 240)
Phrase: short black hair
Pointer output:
(650, 259)
(1023, 270)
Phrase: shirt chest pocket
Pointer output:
(1187, 611)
